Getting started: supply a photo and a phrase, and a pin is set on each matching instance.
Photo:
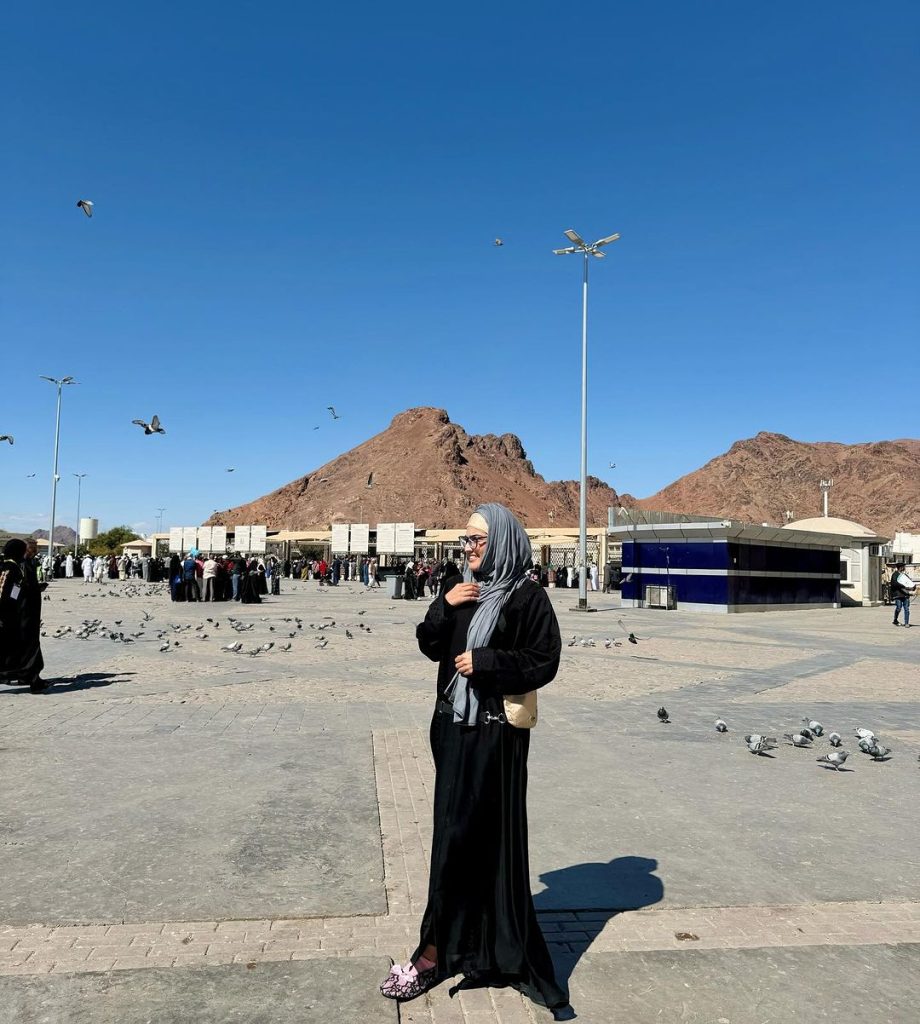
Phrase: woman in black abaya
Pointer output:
(492, 633)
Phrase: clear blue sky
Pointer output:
(295, 207)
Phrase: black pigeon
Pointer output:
(153, 427)
(9, 438)
(335, 415)
(663, 716)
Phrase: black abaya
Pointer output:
(32, 660)
(249, 588)
(480, 915)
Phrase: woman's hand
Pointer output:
(462, 593)
(463, 663)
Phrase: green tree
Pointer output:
(112, 541)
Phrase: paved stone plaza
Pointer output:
(203, 836)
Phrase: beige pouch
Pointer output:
(521, 709)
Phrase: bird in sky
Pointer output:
(335, 415)
(316, 428)
(29, 476)
(498, 241)
(231, 469)
(86, 205)
(6, 437)
(153, 427)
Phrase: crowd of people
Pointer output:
(420, 575)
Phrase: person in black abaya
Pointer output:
(492, 633)
(12, 598)
(249, 585)
(32, 661)
(21, 659)
(409, 582)
(175, 579)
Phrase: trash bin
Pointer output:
(394, 586)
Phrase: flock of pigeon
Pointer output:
(589, 641)
(811, 730)
(170, 638)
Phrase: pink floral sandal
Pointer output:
(405, 982)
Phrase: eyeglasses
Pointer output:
(472, 542)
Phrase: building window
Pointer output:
(844, 567)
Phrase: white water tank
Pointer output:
(89, 529)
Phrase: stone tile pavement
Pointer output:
(404, 779)
(775, 870)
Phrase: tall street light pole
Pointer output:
(579, 245)
(160, 512)
(76, 540)
(59, 383)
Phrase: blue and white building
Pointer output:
(726, 566)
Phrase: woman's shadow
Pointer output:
(579, 900)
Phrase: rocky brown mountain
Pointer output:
(427, 470)
(759, 479)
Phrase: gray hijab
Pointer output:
(507, 558)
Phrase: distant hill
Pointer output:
(62, 535)
(758, 479)
(427, 470)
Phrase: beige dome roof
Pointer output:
(831, 524)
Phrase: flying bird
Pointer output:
(231, 469)
(29, 476)
(632, 638)
(498, 241)
(153, 427)
(9, 438)
(86, 205)
(335, 415)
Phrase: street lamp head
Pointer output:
(54, 380)
(585, 247)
